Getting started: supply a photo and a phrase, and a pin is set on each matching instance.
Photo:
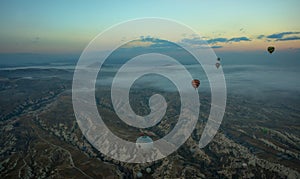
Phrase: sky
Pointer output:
(62, 27)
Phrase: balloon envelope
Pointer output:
(195, 83)
(148, 170)
(271, 49)
(218, 64)
(144, 142)
(139, 174)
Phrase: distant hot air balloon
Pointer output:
(195, 83)
(139, 174)
(148, 170)
(145, 143)
(218, 64)
(271, 49)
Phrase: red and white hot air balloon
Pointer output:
(195, 83)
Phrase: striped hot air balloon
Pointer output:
(195, 83)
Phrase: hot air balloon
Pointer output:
(195, 83)
(148, 170)
(271, 49)
(218, 64)
(145, 143)
(139, 174)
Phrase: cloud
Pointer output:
(150, 43)
(288, 38)
(225, 40)
(151, 39)
(198, 42)
(137, 43)
(216, 40)
(242, 30)
(193, 41)
(216, 46)
(239, 39)
(261, 36)
(146, 42)
(281, 35)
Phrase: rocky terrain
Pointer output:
(41, 139)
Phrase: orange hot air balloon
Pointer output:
(218, 64)
(195, 83)
(271, 49)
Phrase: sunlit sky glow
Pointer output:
(68, 26)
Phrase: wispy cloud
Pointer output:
(288, 38)
(216, 46)
(213, 41)
(261, 36)
(216, 40)
(151, 39)
(192, 41)
(282, 36)
(150, 42)
(137, 43)
(239, 39)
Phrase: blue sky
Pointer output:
(68, 26)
